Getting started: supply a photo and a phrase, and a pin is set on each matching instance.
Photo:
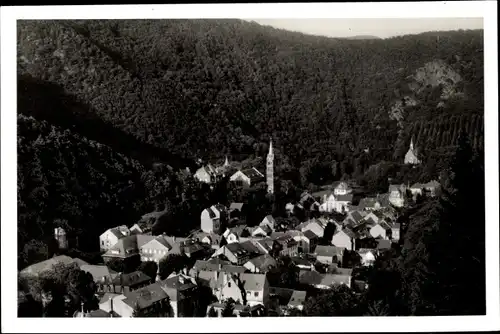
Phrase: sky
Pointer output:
(343, 27)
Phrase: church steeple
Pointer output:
(411, 144)
(226, 163)
(270, 169)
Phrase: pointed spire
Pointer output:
(226, 163)
(270, 146)
(411, 144)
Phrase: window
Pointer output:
(102, 243)
(256, 294)
(229, 284)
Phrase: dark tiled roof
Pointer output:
(263, 262)
(250, 247)
(344, 198)
(310, 235)
(383, 244)
(145, 296)
(368, 202)
(131, 279)
(329, 251)
(253, 174)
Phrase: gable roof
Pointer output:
(383, 244)
(100, 273)
(119, 231)
(250, 247)
(344, 198)
(131, 279)
(298, 298)
(309, 234)
(253, 282)
(253, 174)
(368, 202)
(329, 251)
(350, 233)
(268, 220)
(237, 249)
(125, 247)
(236, 206)
(145, 296)
(37, 268)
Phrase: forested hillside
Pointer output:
(125, 94)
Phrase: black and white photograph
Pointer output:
(216, 164)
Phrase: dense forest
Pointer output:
(110, 111)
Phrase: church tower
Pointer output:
(411, 156)
(270, 169)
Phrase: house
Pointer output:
(214, 219)
(268, 221)
(236, 209)
(368, 256)
(312, 241)
(247, 177)
(432, 187)
(260, 264)
(265, 244)
(397, 195)
(256, 287)
(127, 248)
(40, 267)
(416, 189)
(234, 252)
(323, 281)
(233, 234)
(332, 202)
(125, 283)
(287, 246)
(239, 310)
(395, 235)
(411, 156)
(103, 276)
(344, 239)
(252, 248)
(182, 293)
(354, 218)
(287, 299)
(380, 230)
(156, 248)
(312, 225)
(369, 204)
(303, 242)
(111, 236)
(206, 174)
(262, 231)
(383, 245)
(302, 263)
(341, 188)
(329, 254)
(211, 239)
(308, 202)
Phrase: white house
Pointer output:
(396, 196)
(368, 256)
(111, 236)
(247, 177)
(344, 239)
(214, 219)
(268, 221)
(378, 231)
(312, 225)
(205, 174)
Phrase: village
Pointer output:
(234, 262)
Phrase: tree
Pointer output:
(172, 263)
(212, 313)
(339, 301)
(150, 268)
(228, 310)
(328, 234)
(284, 274)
